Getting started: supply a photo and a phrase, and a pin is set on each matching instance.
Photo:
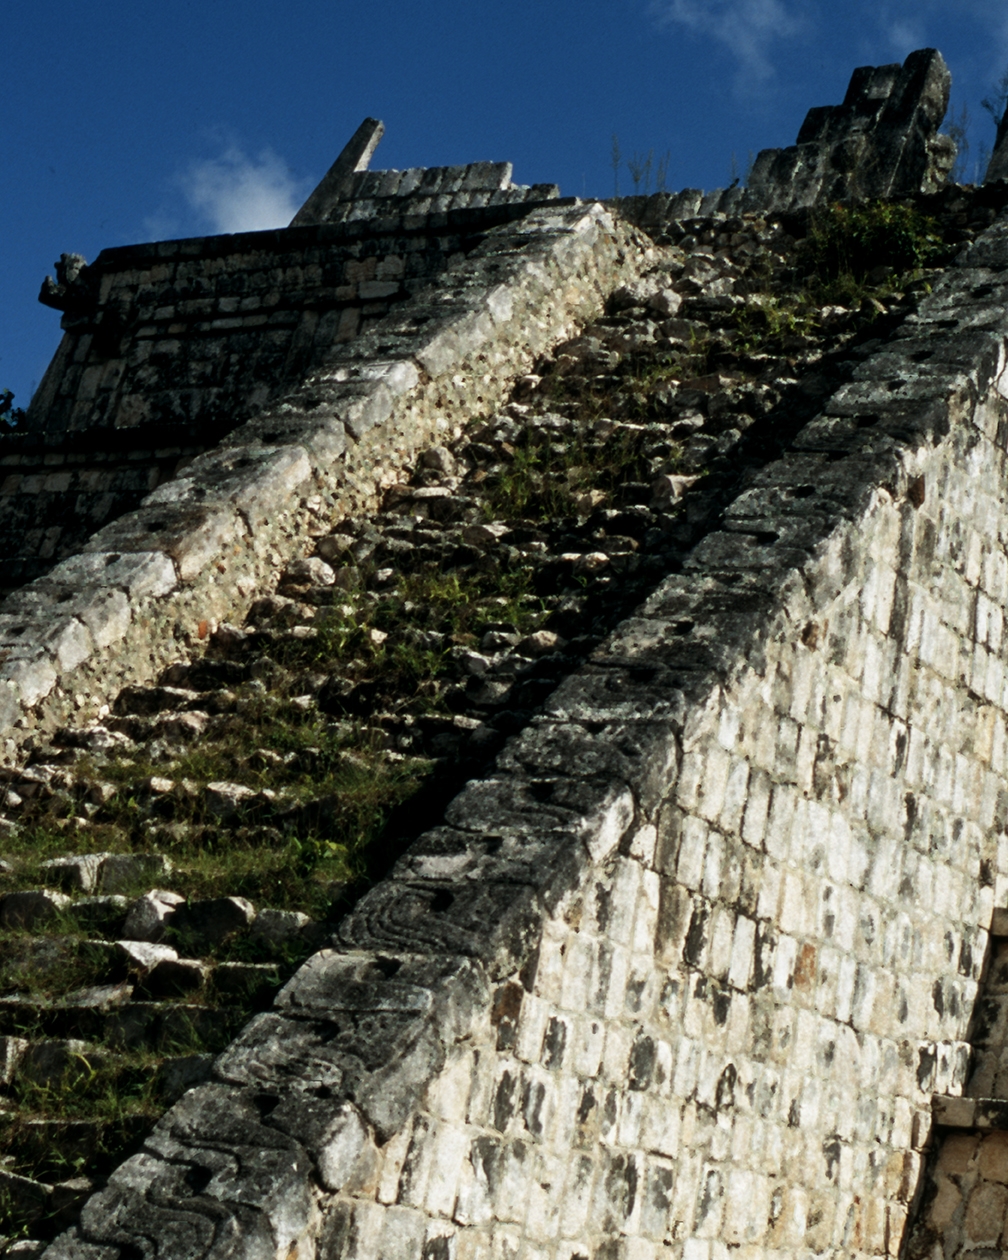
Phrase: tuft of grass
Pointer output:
(847, 247)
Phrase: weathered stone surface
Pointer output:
(278, 925)
(227, 799)
(204, 924)
(27, 909)
(338, 181)
(883, 141)
(683, 969)
(149, 915)
(74, 874)
(144, 956)
(119, 871)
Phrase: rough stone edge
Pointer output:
(580, 780)
(147, 586)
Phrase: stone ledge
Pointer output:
(197, 548)
(970, 1113)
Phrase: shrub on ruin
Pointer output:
(848, 247)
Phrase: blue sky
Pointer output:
(124, 122)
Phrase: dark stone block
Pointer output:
(883, 141)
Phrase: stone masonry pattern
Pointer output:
(707, 959)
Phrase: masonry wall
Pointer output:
(191, 337)
(170, 346)
(727, 1038)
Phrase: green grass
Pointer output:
(845, 245)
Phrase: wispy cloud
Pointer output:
(749, 29)
(904, 36)
(910, 24)
(238, 193)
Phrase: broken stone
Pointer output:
(333, 546)
(439, 459)
(148, 701)
(11, 1051)
(96, 739)
(172, 977)
(485, 535)
(226, 799)
(589, 562)
(27, 1248)
(144, 956)
(100, 792)
(185, 726)
(311, 571)
(228, 639)
(278, 926)
(670, 487)
(665, 302)
(203, 924)
(540, 643)
(126, 870)
(74, 874)
(149, 915)
(99, 997)
(470, 662)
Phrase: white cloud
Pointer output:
(905, 36)
(747, 28)
(236, 193)
(910, 24)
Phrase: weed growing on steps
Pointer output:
(856, 252)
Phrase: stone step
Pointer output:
(999, 922)
(22, 1248)
(47, 1147)
(29, 1201)
(970, 1113)
(116, 1021)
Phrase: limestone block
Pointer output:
(992, 1158)
(140, 573)
(119, 871)
(278, 925)
(986, 1209)
(149, 916)
(106, 614)
(226, 799)
(202, 925)
(77, 874)
(28, 679)
(30, 909)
